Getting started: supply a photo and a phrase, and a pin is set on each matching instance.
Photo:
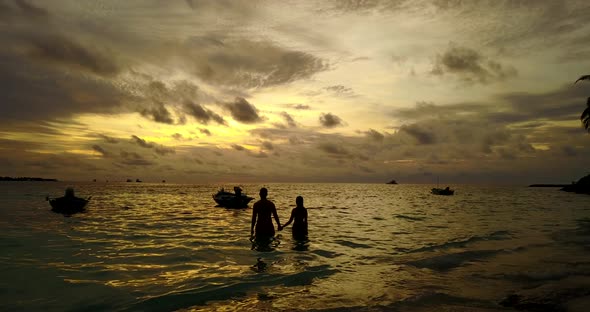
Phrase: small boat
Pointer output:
(232, 200)
(445, 191)
(69, 203)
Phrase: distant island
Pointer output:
(548, 185)
(582, 186)
(26, 179)
(392, 182)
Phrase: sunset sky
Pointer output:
(295, 91)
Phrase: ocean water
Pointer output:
(371, 247)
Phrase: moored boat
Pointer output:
(445, 191)
(232, 200)
(69, 203)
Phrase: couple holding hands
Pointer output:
(263, 211)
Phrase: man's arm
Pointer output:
(254, 213)
(276, 216)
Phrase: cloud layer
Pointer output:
(360, 91)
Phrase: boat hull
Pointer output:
(230, 200)
(437, 191)
(68, 205)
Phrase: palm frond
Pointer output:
(585, 118)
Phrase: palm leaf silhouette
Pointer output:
(585, 117)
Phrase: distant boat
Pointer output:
(232, 200)
(137, 180)
(69, 203)
(392, 182)
(445, 191)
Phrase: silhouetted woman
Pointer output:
(299, 215)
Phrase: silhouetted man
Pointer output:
(261, 216)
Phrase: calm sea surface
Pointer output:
(372, 247)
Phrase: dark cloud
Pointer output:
(38, 93)
(243, 111)
(238, 147)
(494, 138)
(201, 114)
(561, 104)
(289, 120)
(134, 159)
(158, 100)
(301, 106)
(158, 113)
(533, 109)
(162, 150)
(365, 169)
(375, 135)
(159, 149)
(334, 150)
(295, 141)
(330, 120)
(178, 136)
(108, 139)
(100, 150)
(249, 64)
(422, 134)
(340, 90)
(8, 144)
(6, 12)
(267, 146)
(205, 131)
(141, 142)
(60, 50)
(260, 154)
(191, 4)
(362, 6)
(470, 66)
(569, 151)
(31, 11)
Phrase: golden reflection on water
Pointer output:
(368, 243)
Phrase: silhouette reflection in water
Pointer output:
(265, 243)
(260, 266)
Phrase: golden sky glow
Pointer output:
(306, 91)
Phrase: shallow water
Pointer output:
(373, 247)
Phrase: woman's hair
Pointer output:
(299, 201)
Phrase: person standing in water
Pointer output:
(261, 217)
(299, 215)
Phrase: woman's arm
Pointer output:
(290, 219)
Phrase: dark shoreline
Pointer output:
(548, 185)
(27, 179)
